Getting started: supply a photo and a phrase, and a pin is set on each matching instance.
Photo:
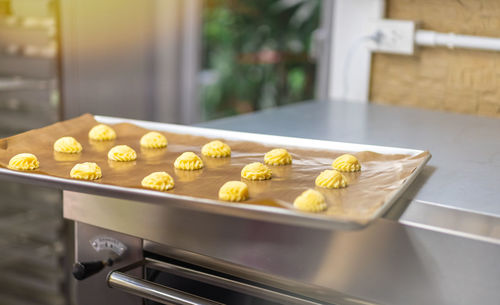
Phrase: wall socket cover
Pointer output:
(393, 36)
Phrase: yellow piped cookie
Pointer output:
(346, 163)
(188, 161)
(86, 171)
(122, 153)
(256, 171)
(278, 156)
(153, 139)
(310, 201)
(160, 181)
(233, 191)
(24, 161)
(216, 149)
(331, 179)
(67, 145)
(102, 132)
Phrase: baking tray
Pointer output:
(258, 212)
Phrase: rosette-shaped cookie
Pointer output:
(278, 156)
(216, 149)
(346, 163)
(122, 153)
(102, 132)
(256, 171)
(188, 161)
(24, 161)
(153, 139)
(160, 181)
(331, 179)
(67, 145)
(310, 201)
(86, 171)
(233, 191)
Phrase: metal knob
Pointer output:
(82, 270)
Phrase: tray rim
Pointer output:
(257, 212)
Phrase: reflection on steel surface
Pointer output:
(387, 262)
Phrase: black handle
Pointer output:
(82, 271)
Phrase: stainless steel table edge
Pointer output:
(452, 220)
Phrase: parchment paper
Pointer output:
(381, 174)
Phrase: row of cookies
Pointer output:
(310, 200)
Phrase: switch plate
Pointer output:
(393, 36)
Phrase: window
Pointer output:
(256, 54)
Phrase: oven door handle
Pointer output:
(153, 291)
(119, 279)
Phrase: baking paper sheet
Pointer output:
(381, 175)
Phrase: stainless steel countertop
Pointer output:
(433, 254)
(464, 171)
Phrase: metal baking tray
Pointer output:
(257, 212)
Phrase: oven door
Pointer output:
(165, 282)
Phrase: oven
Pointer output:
(134, 252)
(116, 268)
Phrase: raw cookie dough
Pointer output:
(216, 149)
(346, 163)
(233, 191)
(331, 179)
(24, 161)
(122, 153)
(67, 145)
(310, 201)
(188, 161)
(278, 156)
(256, 171)
(86, 171)
(153, 139)
(102, 132)
(160, 181)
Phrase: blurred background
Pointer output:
(171, 61)
(196, 60)
(32, 231)
(256, 55)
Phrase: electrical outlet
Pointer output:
(393, 36)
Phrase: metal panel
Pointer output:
(94, 290)
(387, 262)
(107, 49)
(130, 58)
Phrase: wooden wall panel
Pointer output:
(457, 80)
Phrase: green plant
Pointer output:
(256, 54)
